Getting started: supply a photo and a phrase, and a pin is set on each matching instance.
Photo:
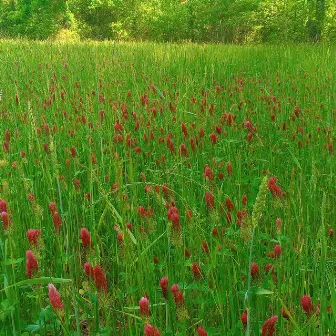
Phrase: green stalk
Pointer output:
(258, 209)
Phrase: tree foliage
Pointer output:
(37, 19)
(230, 21)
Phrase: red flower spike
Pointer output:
(7, 135)
(189, 215)
(99, 278)
(208, 174)
(249, 137)
(178, 295)
(6, 146)
(243, 318)
(120, 238)
(254, 270)
(277, 251)
(213, 138)
(240, 217)
(31, 264)
(205, 247)
(201, 331)
(52, 207)
(118, 127)
(33, 236)
(268, 267)
(5, 220)
(184, 130)
(175, 288)
(196, 269)
(229, 169)
(46, 148)
(101, 112)
(307, 305)
(331, 233)
(57, 221)
(173, 217)
(249, 126)
(76, 184)
(268, 329)
(209, 200)
(73, 151)
(274, 188)
(93, 158)
(141, 211)
(85, 237)
(229, 205)
(3, 206)
(183, 150)
(284, 313)
(149, 330)
(165, 189)
(144, 307)
(164, 286)
(88, 269)
(55, 298)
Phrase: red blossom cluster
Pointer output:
(149, 330)
(144, 307)
(196, 269)
(31, 264)
(268, 329)
(55, 298)
(145, 213)
(33, 237)
(85, 237)
(178, 295)
(174, 218)
(164, 286)
(201, 331)
(307, 305)
(274, 188)
(209, 200)
(97, 274)
(208, 174)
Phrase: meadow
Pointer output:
(167, 189)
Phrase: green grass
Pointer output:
(253, 83)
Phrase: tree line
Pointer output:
(228, 21)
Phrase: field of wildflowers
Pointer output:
(161, 189)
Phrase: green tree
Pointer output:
(237, 21)
(37, 19)
(95, 17)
